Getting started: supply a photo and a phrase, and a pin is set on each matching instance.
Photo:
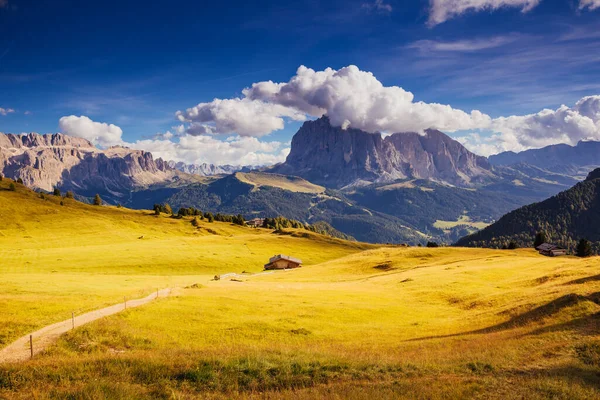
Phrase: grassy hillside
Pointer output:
(356, 321)
(566, 218)
(55, 259)
(383, 323)
(291, 183)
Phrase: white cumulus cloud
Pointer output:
(351, 97)
(242, 116)
(99, 133)
(443, 10)
(589, 4)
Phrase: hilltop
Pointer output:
(566, 218)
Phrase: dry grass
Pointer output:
(291, 183)
(353, 323)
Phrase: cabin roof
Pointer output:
(284, 257)
(548, 247)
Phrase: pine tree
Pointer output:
(167, 209)
(20, 181)
(69, 195)
(512, 245)
(56, 191)
(584, 248)
(540, 238)
(97, 200)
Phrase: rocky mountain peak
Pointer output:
(336, 157)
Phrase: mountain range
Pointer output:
(404, 187)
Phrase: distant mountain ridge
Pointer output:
(566, 218)
(57, 160)
(205, 169)
(337, 157)
(559, 158)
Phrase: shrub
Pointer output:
(513, 245)
(20, 181)
(12, 187)
(584, 248)
(97, 200)
(56, 191)
(1, 177)
(69, 195)
(42, 196)
(432, 244)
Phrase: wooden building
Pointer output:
(551, 250)
(281, 261)
(256, 222)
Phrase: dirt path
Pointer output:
(19, 350)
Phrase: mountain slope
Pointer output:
(566, 217)
(336, 157)
(236, 194)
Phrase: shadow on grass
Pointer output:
(583, 280)
(538, 314)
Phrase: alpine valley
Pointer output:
(402, 188)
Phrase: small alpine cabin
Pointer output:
(281, 261)
(256, 222)
(551, 250)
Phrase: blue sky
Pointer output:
(135, 64)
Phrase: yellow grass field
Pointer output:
(355, 322)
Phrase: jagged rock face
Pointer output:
(57, 160)
(205, 169)
(335, 157)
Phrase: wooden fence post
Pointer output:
(31, 344)
(73, 318)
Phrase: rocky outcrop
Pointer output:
(337, 157)
(57, 160)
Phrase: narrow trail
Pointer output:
(19, 350)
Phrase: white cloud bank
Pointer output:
(190, 149)
(517, 133)
(442, 10)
